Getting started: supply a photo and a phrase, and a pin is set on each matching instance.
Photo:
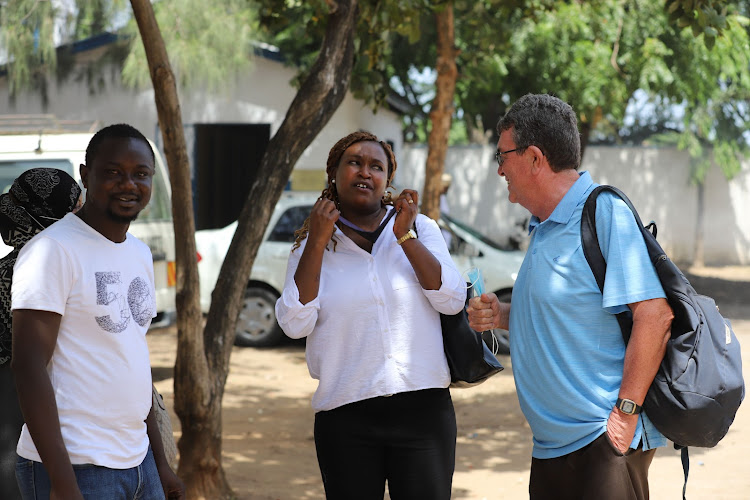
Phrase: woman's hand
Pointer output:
(322, 221)
(407, 206)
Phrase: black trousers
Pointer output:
(597, 471)
(11, 421)
(408, 440)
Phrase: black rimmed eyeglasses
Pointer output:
(499, 155)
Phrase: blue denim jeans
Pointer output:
(95, 482)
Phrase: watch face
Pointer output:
(627, 407)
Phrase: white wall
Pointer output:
(260, 95)
(655, 179)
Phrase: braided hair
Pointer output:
(334, 157)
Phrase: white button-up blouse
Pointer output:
(372, 330)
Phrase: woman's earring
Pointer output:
(388, 196)
(333, 181)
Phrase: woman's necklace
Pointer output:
(368, 235)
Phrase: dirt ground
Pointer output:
(269, 451)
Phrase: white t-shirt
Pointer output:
(100, 370)
(373, 330)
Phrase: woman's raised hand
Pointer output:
(407, 206)
(322, 220)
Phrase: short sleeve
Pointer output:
(42, 277)
(630, 276)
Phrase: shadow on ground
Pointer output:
(732, 297)
(268, 447)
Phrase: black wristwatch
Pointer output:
(628, 406)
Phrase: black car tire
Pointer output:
(256, 323)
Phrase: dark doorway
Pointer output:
(226, 159)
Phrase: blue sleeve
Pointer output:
(630, 276)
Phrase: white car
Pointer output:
(257, 326)
(20, 152)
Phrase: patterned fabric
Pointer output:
(37, 198)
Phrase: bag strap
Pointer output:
(685, 468)
(593, 253)
(589, 238)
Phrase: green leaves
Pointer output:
(208, 42)
(704, 17)
(27, 38)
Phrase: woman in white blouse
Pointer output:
(366, 289)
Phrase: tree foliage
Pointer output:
(26, 40)
(208, 42)
(702, 92)
(296, 27)
(598, 56)
(704, 17)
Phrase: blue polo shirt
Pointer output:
(566, 345)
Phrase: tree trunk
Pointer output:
(317, 99)
(196, 403)
(585, 131)
(441, 112)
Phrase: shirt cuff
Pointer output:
(450, 298)
(295, 318)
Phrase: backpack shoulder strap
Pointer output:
(593, 252)
(590, 240)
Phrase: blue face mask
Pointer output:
(477, 281)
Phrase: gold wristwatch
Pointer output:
(409, 235)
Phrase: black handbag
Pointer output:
(470, 360)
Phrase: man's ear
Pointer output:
(84, 171)
(537, 158)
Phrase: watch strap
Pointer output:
(410, 234)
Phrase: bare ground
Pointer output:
(269, 451)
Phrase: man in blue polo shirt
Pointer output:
(579, 387)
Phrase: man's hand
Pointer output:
(621, 429)
(34, 341)
(170, 483)
(173, 486)
(67, 491)
(486, 312)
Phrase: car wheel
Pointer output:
(256, 323)
(502, 336)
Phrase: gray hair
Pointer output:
(548, 123)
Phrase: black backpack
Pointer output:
(699, 386)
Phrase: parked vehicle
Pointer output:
(257, 326)
(21, 152)
(470, 248)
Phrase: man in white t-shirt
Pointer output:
(83, 298)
